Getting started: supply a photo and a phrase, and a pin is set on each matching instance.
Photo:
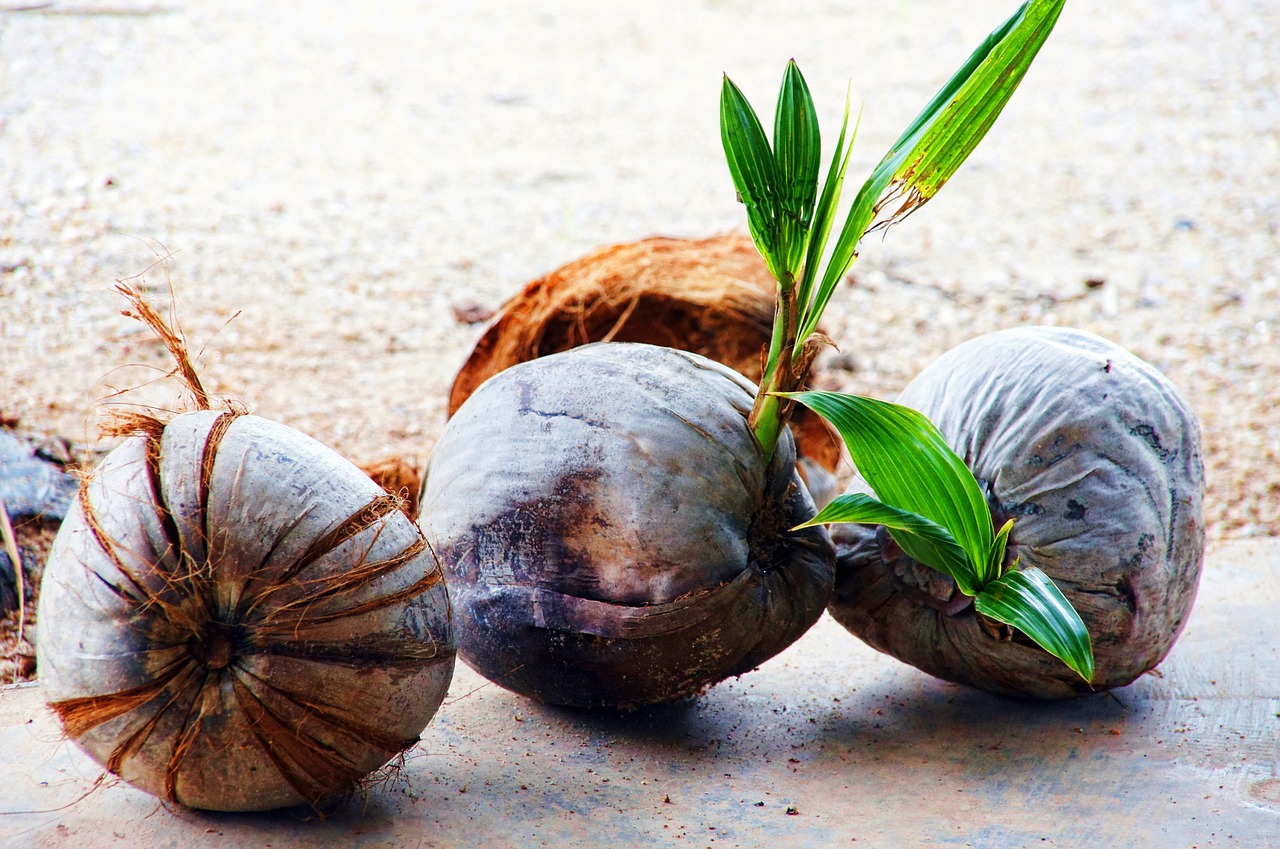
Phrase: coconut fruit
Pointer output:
(1097, 458)
(233, 617)
(612, 533)
(712, 296)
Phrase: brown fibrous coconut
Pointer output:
(712, 296)
(234, 617)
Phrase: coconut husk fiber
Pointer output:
(712, 296)
(400, 478)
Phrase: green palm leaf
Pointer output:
(1029, 601)
(909, 465)
(941, 137)
(754, 172)
(825, 213)
(798, 158)
(923, 540)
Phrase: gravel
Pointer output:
(318, 185)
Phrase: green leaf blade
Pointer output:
(1028, 600)
(909, 465)
(921, 539)
(754, 171)
(823, 217)
(798, 157)
(995, 563)
(958, 117)
(941, 137)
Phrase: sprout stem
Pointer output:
(769, 413)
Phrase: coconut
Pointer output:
(233, 617)
(712, 296)
(612, 533)
(1097, 458)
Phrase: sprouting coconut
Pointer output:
(1096, 457)
(712, 296)
(624, 541)
(234, 617)
(615, 519)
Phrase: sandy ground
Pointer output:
(322, 183)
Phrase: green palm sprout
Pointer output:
(926, 497)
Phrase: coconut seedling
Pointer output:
(924, 496)
(233, 617)
(1095, 458)
(622, 524)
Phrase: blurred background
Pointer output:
(335, 192)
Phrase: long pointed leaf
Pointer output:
(922, 539)
(909, 465)
(961, 113)
(1029, 601)
(754, 172)
(942, 136)
(798, 154)
(825, 213)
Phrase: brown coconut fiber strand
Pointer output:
(399, 478)
(711, 296)
(181, 587)
(172, 339)
(279, 720)
(83, 714)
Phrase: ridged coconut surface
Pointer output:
(233, 617)
(1097, 457)
(611, 532)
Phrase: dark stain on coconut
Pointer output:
(1076, 511)
(1014, 509)
(1144, 548)
(531, 539)
(1148, 434)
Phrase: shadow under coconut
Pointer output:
(928, 715)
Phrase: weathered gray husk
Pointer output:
(233, 617)
(1097, 457)
(611, 534)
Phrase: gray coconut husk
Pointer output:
(1097, 458)
(612, 534)
(233, 617)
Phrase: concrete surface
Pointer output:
(829, 744)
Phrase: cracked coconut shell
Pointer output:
(611, 532)
(1097, 458)
(234, 618)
